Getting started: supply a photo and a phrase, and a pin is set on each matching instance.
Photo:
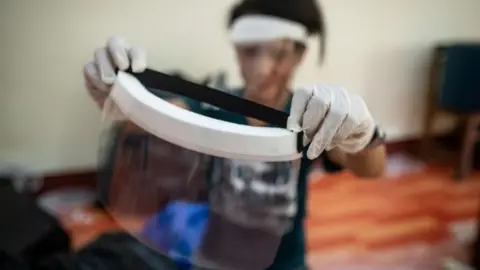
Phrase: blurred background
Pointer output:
(381, 49)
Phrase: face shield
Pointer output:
(197, 188)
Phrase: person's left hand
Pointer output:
(331, 118)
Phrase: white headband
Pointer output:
(259, 28)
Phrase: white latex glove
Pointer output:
(100, 74)
(331, 118)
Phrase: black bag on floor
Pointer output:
(27, 233)
(111, 251)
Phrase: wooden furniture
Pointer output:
(450, 72)
(471, 135)
(475, 252)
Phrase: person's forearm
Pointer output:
(366, 163)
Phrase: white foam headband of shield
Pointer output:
(259, 28)
(197, 132)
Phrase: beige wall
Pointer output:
(379, 48)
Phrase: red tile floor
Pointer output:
(412, 218)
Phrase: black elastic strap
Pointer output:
(152, 79)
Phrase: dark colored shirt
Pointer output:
(292, 250)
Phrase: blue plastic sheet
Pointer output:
(177, 230)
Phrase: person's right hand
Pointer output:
(99, 74)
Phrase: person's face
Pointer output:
(267, 67)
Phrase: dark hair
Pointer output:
(306, 12)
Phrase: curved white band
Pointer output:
(197, 132)
(259, 28)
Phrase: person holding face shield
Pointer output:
(270, 41)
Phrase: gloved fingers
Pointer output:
(300, 100)
(118, 50)
(359, 138)
(104, 65)
(93, 79)
(138, 59)
(347, 128)
(315, 113)
(358, 129)
(96, 88)
(335, 117)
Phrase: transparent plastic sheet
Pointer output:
(201, 210)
